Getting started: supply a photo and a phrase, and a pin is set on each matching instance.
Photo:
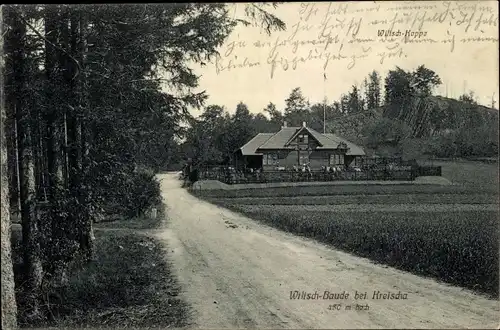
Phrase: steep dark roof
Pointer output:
(354, 150)
(251, 146)
(312, 133)
(279, 140)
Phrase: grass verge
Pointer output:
(129, 284)
(331, 190)
(362, 199)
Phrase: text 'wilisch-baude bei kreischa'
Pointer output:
(344, 295)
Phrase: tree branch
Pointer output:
(53, 45)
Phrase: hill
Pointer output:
(352, 126)
(425, 118)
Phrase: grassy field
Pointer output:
(474, 174)
(129, 284)
(335, 190)
(362, 199)
(460, 248)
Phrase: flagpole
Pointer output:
(324, 102)
(324, 117)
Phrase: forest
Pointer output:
(92, 101)
(398, 114)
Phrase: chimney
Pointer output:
(303, 124)
(284, 124)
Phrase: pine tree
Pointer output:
(296, 109)
(9, 307)
(354, 102)
(373, 91)
(15, 45)
(88, 151)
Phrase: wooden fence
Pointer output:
(315, 176)
(382, 170)
(280, 176)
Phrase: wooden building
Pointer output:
(296, 146)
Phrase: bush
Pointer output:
(385, 131)
(143, 192)
(442, 146)
(412, 148)
(465, 142)
(131, 193)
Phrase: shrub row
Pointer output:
(333, 190)
(362, 199)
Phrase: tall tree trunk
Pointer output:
(37, 153)
(79, 134)
(11, 130)
(39, 147)
(66, 87)
(11, 143)
(42, 147)
(73, 133)
(53, 134)
(9, 308)
(30, 228)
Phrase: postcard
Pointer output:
(295, 165)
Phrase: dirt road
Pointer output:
(237, 273)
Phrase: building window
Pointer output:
(336, 159)
(303, 138)
(270, 159)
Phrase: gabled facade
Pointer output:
(296, 146)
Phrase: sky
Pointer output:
(340, 41)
